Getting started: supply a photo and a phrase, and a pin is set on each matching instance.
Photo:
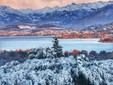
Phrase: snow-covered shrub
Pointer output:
(93, 53)
(84, 52)
(40, 53)
(32, 51)
(81, 80)
(31, 56)
(58, 71)
(82, 57)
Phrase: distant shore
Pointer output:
(65, 34)
(109, 41)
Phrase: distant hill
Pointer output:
(100, 17)
(73, 16)
(108, 28)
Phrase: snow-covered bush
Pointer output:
(31, 56)
(58, 71)
(37, 53)
(41, 53)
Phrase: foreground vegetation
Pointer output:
(42, 53)
(54, 52)
(52, 66)
(57, 71)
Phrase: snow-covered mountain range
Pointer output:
(74, 16)
(70, 7)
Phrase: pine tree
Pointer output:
(57, 49)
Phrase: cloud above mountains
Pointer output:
(38, 4)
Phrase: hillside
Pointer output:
(102, 16)
(73, 16)
(108, 28)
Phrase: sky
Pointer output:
(38, 4)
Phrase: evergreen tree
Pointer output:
(57, 49)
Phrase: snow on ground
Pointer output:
(56, 71)
(97, 72)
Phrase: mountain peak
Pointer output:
(73, 4)
(65, 16)
(3, 7)
(109, 6)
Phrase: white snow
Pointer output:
(56, 71)
(74, 7)
(26, 27)
(71, 7)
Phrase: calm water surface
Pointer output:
(27, 42)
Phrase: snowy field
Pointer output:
(57, 71)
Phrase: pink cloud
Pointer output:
(37, 4)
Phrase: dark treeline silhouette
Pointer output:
(8, 56)
(40, 53)
(93, 55)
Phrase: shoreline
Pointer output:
(107, 42)
(59, 38)
(50, 36)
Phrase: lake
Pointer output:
(27, 42)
